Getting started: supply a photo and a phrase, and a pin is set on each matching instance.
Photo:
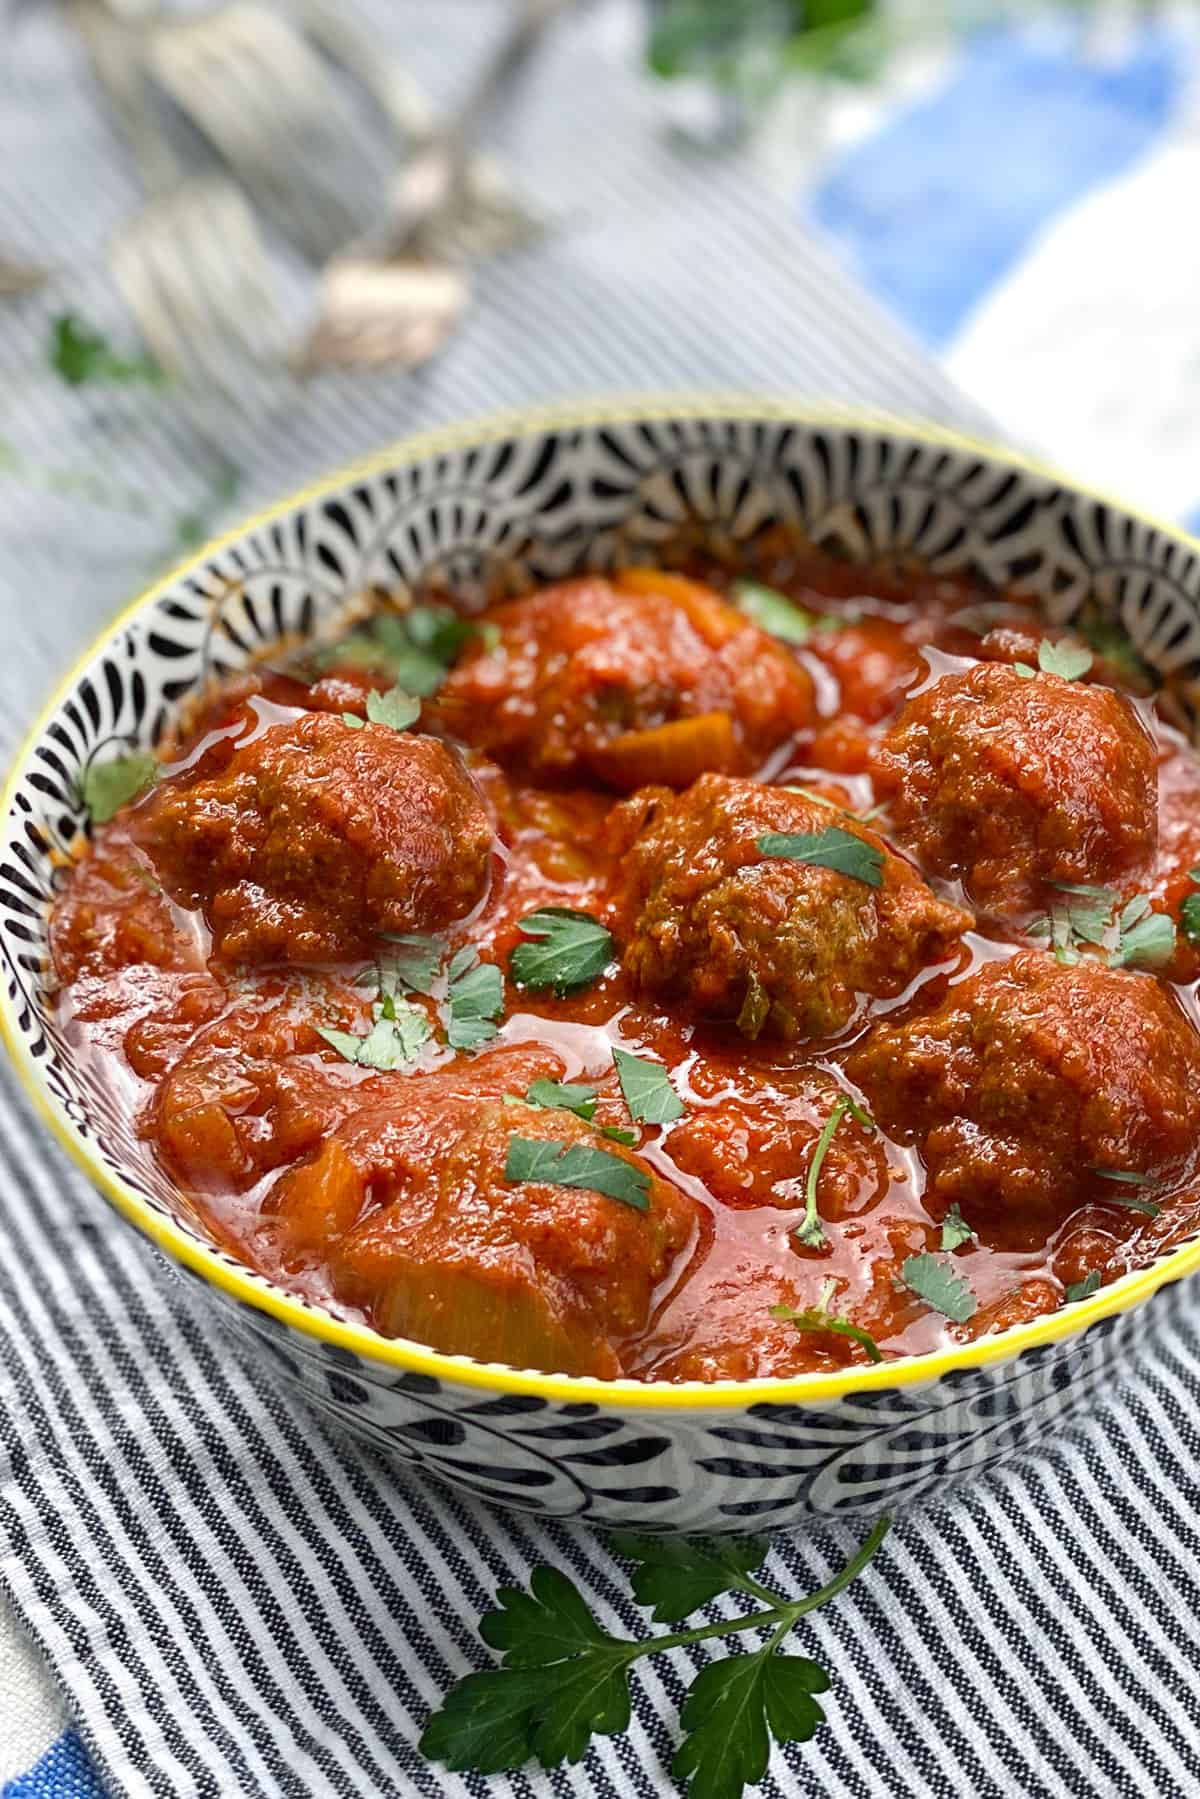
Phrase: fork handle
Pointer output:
(115, 56)
(432, 181)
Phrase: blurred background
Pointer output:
(240, 243)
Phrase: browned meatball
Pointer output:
(1008, 782)
(526, 1272)
(312, 838)
(1027, 1079)
(647, 677)
(784, 947)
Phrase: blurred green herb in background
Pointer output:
(749, 48)
(80, 354)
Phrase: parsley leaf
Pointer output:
(1070, 660)
(820, 1318)
(1085, 1288)
(107, 786)
(571, 949)
(647, 1089)
(475, 997)
(399, 1031)
(1189, 912)
(395, 708)
(80, 354)
(563, 1678)
(955, 1230)
(1147, 939)
(775, 613)
(811, 1232)
(936, 1282)
(577, 1165)
(831, 848)
(1083, 915)
(564, 1096)
(1129, 1178)
(677, 1575)
(413, 962)
(416, 647)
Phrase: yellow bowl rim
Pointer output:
(241, 1284)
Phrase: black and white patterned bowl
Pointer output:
(547, 495)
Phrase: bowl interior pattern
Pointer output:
(544, 500)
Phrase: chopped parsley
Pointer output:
(577, 1165)
(755, 1008)
(776, 614)
(820, 1318)
(395, 708)
(810, 1231)
(412, 962)
(647, 1089)
(831, 848)
(936, 1282)
(1129, 1178)
(397, 1035)
(563, 1679)
(564, 1096)
(416, 647)
(107, 786)
(1085, 1288)
(955, 1230)
(1133, 937)
(81, 355)
(569, 949)
(1189, 912)
(475, 997)
(1068, 660)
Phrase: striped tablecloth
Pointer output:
(201, 1594)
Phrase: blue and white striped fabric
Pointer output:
(230, 1604)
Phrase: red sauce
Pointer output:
(219, 925)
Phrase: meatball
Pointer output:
(312, 838)
(1027, 1080)
(647, 677)
(1009, 782)
(782, 946)
(433, 1242)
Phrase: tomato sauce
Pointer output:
(1019, 1055)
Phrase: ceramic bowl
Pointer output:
(544, 496)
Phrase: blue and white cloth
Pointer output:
(178, 1575)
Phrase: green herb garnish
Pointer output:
(571, 949)
(936, 1282)
(1146, 939)
(1085, 1288)
(397, 1035)
(1129, 1178)
(647, 1089)
(1189, 912)
(564, 1096)
(107, 786)
(475, 997)
(776, 614)
(955, 1230)
(416, 647)
(1069, 660)
(395, 708)
(79, 354)
(820, 1318)
(411, 962)
(811, 1232)
(577, 1165)
(831, 848)
(564, 1679)
(755, 1008)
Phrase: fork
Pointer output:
(190, 264)
(259, 93)
(397, 297)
